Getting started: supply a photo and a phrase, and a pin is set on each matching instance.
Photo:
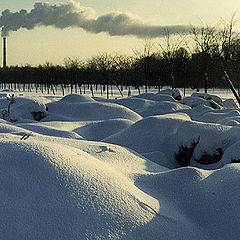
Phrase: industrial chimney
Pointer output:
(4, 52)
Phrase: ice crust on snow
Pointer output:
(95, 168)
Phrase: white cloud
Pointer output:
(72, 14)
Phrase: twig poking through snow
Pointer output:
(12, 100)
(105, 149)
(5, 113)
(26, 136)
(145, 204)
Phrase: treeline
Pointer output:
(214, 51)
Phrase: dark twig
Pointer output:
(26, 136)
(145, 204)
(12, 100)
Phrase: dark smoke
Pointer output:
(72, 14)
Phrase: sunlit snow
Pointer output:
(152, 166)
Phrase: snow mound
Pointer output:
(229, 103)
(153, 168)
(208, 142)
(161, 108)
(156, 97)
(175, 93)
(99, 130)
(28, 110)
(159, 158)
(67, 194)
(7, 128)
(135, 103)
(208, 199)
(197, 112)
(22, 108)
(90, 111)
(232, 154)
(149, 134)
(230, 121)
(207, 96)
(103, 99)
(217, 116)
(75, 98)
(50, 131)
(196, 101)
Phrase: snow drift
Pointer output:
(94, 169)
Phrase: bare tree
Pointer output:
(73, 65)
(104, 64)
(122, 66)
(145, 55)
(235, 61)
(169, 50)
(224, 47)
(181, 61)
(204, 38)
(48, 74)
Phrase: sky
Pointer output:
(45, 41)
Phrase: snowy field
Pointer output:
(151, 166)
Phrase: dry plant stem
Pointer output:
(145, 204)
(25, 136)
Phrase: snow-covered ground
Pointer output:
(145, 167)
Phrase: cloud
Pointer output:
(72, 14)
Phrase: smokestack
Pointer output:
(4, 52)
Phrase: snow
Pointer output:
(156, 97)
(196, 101)
(216, 116)
(139, 136)
(135, 103)
(102, 129)
(229, 103)
(161, 108)
(95, 168)
(89, 111)
(207, 97)
(175, 93)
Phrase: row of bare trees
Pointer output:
(208, 57)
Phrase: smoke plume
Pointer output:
(72, 14)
